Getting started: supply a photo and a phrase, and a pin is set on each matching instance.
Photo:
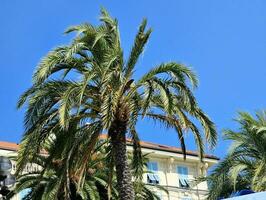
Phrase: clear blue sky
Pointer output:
(224, 41)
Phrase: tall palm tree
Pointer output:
(245, 165)
(97, 88)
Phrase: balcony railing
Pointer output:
(193, 187)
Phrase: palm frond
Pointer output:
(141, 39)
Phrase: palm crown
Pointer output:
(245, 165)
(107, 97)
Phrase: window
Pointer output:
(183, 176)
(153, 177)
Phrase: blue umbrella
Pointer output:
(250, 196)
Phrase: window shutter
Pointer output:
(183, 176)
(153, 177)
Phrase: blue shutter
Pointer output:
(156, 177)
(153, 177)
(183, 176)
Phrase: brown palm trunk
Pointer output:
(117, 133)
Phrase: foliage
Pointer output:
(245, 165)
(47, 182)
(89, 87)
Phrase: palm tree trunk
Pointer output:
(117, 132)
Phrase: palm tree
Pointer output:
(245, 165)
(97, 88)
(48, 181)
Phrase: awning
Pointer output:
(254, 196)
(183, 182)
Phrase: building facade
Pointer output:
(169, 169)
(166, 167)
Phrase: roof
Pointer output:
(9, 146)
(166, 148)
(149, 145)
(160, 147)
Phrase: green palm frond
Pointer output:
(177, 71)
(244, 166)
(140, 41)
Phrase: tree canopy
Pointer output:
(89, 86)
(245, 165)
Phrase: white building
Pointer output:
(168, 166)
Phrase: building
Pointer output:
(176, 175)
(167, 168)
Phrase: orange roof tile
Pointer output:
(9, 146)
(172, 149)
(14, 147)
(166, 148)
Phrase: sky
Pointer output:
(224, 41)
